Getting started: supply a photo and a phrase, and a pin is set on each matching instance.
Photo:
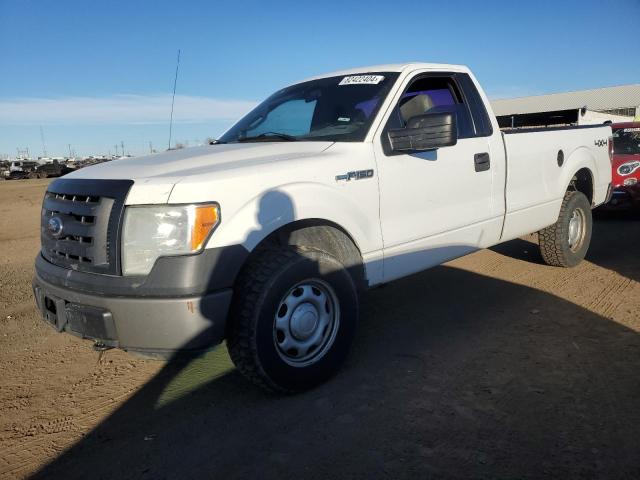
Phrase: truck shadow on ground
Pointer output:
(615, 244)
(453, 374)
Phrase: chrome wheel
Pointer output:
(576, 229)
(306, 323)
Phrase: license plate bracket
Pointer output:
(53, 311)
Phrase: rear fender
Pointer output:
(580, 158)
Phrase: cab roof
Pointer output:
(392, 67)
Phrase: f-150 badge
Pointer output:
(357, 175)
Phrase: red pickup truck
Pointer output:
(626, 165)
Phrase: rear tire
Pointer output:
(293, 318)
(565, 243)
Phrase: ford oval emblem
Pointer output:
(55, 226)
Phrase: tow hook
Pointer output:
(101, 347)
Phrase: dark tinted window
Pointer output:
(479, 113)
(626, 141)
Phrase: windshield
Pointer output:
(338, 109)
(626, 141)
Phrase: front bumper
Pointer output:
(151, 326)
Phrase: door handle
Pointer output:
(482, 162)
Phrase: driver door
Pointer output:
(439, 204)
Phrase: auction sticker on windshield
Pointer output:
(362, 80)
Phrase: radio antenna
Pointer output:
(175, 81)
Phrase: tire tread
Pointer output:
(250, 287)
(552, 239)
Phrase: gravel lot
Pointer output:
(492, 366)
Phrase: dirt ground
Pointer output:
(491, 366)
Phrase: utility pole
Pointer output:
(122, 147)
(44, 147)
(116, 145)
(150, 147)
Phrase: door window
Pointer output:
(432, 95)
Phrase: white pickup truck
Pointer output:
(330, 186)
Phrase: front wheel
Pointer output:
(293, 318)
(565, 243)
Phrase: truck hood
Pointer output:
(155, 176)
(619, 159)
(173, 165)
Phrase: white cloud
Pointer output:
(118, 109)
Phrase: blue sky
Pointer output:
(96, 73)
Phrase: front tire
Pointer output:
(565, 243)
(293, 318)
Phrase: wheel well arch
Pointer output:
(321, 234)
(582, 181)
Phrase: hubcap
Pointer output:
(576, 229)
(306, 323)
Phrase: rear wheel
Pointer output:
(565, 243)
(293, 319)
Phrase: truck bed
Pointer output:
(531, 190)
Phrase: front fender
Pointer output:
(264, 213)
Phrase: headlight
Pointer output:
(150, 232)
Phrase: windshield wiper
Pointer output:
(269, 136)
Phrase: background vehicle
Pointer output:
(626, 166)
(4, 169)
(328, 187)
(53, 169)
(23, 169)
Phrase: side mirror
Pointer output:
(425, 132)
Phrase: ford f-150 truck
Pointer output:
(333, 185)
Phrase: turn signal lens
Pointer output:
(206, 218)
